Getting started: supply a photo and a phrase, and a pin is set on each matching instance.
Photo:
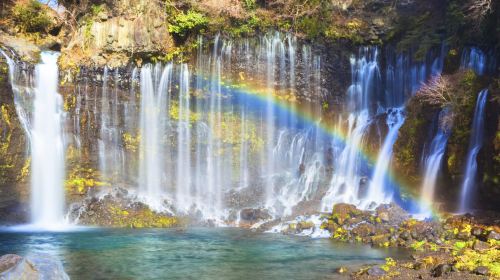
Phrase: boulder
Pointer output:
(364, 230)
(477, 232)
(8, 261)
(480, 245)
(392, 213)
(481, 270)
(254, 214)
(343, 211)
(36, 266)
(440, 270)
(494, 235)
(304, 225)
(376, 271)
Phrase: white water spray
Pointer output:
(47, 147)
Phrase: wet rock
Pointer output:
(477, 232)
(441, 270)
(380, 239)
(304, 225)
(8, 261)
(36, 266)
(481, 270)
(463, 236)
(391, 213)
(343, 211)
(376, 271)
(364, 230)
(405, 235)
(251, 214)
(494, 235)
(384, 217)
(480, 245)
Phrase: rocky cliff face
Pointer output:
(117, 34)
(14, 164)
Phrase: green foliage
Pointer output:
(250, 4)
(97, 9)
(314, 27)
(32, 17)
(185, 23)
(248, 27)
(87, 31)
(455, 22)
(419, 32)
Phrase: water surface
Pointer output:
(196, 253)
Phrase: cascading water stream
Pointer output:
(43, 125)
(475, 144)
(47, 146)
(477, 60)
(183, 192)
(377, 192)
(365, 76)
(154, 104)
(432, 165)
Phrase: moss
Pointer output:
(389, 263)
(175, 113)
(351, 30)
(470, 260)
(6, 115)
(418, 245)
(131, 142)
(142, 218)
(81, 180)
(25, 171)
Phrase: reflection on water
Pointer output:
(221, 253)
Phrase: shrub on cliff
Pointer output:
(31, 17)
(184, 23)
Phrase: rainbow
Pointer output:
(292, 106)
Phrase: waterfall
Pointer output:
(47, 146)
(154, 104)
(183, 193)
(475, 144)
(432, 165)
(244, 127)
(477, 60)
(377, 192)
(365, 79)
(40, 110)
